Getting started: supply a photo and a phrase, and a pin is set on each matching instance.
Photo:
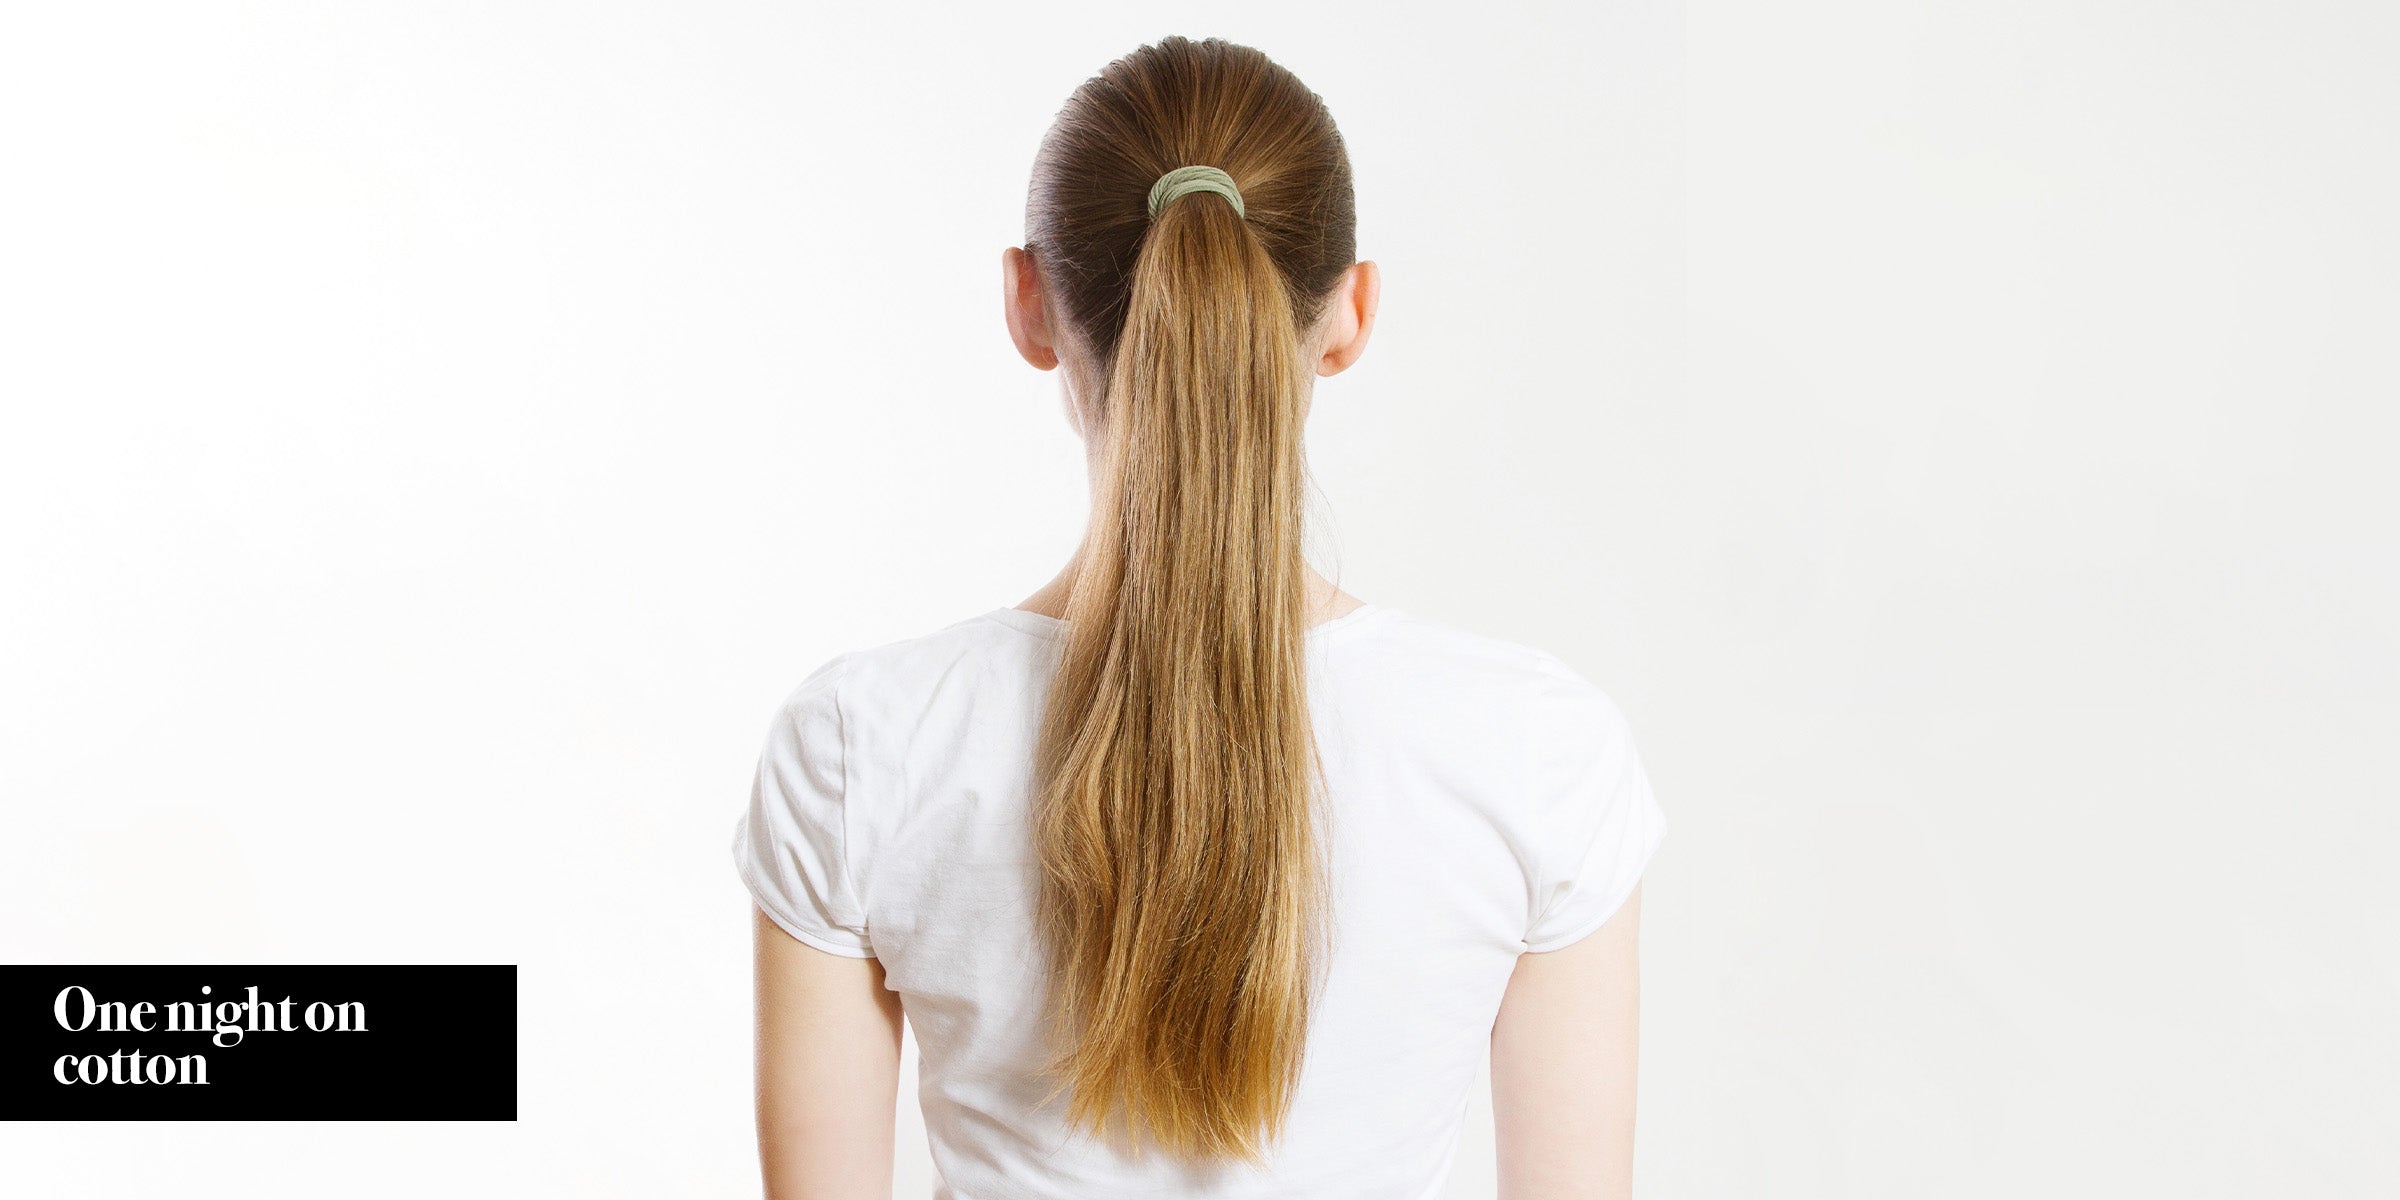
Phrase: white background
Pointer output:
(1959, 435)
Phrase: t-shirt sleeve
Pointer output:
(1597, 824)
(792, 846)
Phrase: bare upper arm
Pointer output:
(1563, 1057)
(828, 1069)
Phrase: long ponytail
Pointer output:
(1177, 818)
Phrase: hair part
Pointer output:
(1178, 797)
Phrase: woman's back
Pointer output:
(1482, 800)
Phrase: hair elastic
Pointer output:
(1184, 180)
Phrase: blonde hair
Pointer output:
(1177, 805)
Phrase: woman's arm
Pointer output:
(828, 1070)
(1563, 1067)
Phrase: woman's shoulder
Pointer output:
(918, 672)
(1439, 652)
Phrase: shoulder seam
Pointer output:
(841, 732)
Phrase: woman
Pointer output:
(1196, 875)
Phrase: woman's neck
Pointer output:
(1325, 601)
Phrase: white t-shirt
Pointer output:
(1484, 801)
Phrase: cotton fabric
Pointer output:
(1483, 801)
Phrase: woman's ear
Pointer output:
(1350, 317)
(1021, 306)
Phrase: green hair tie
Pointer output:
(1185, 180)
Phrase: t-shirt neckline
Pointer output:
(1045, 625)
